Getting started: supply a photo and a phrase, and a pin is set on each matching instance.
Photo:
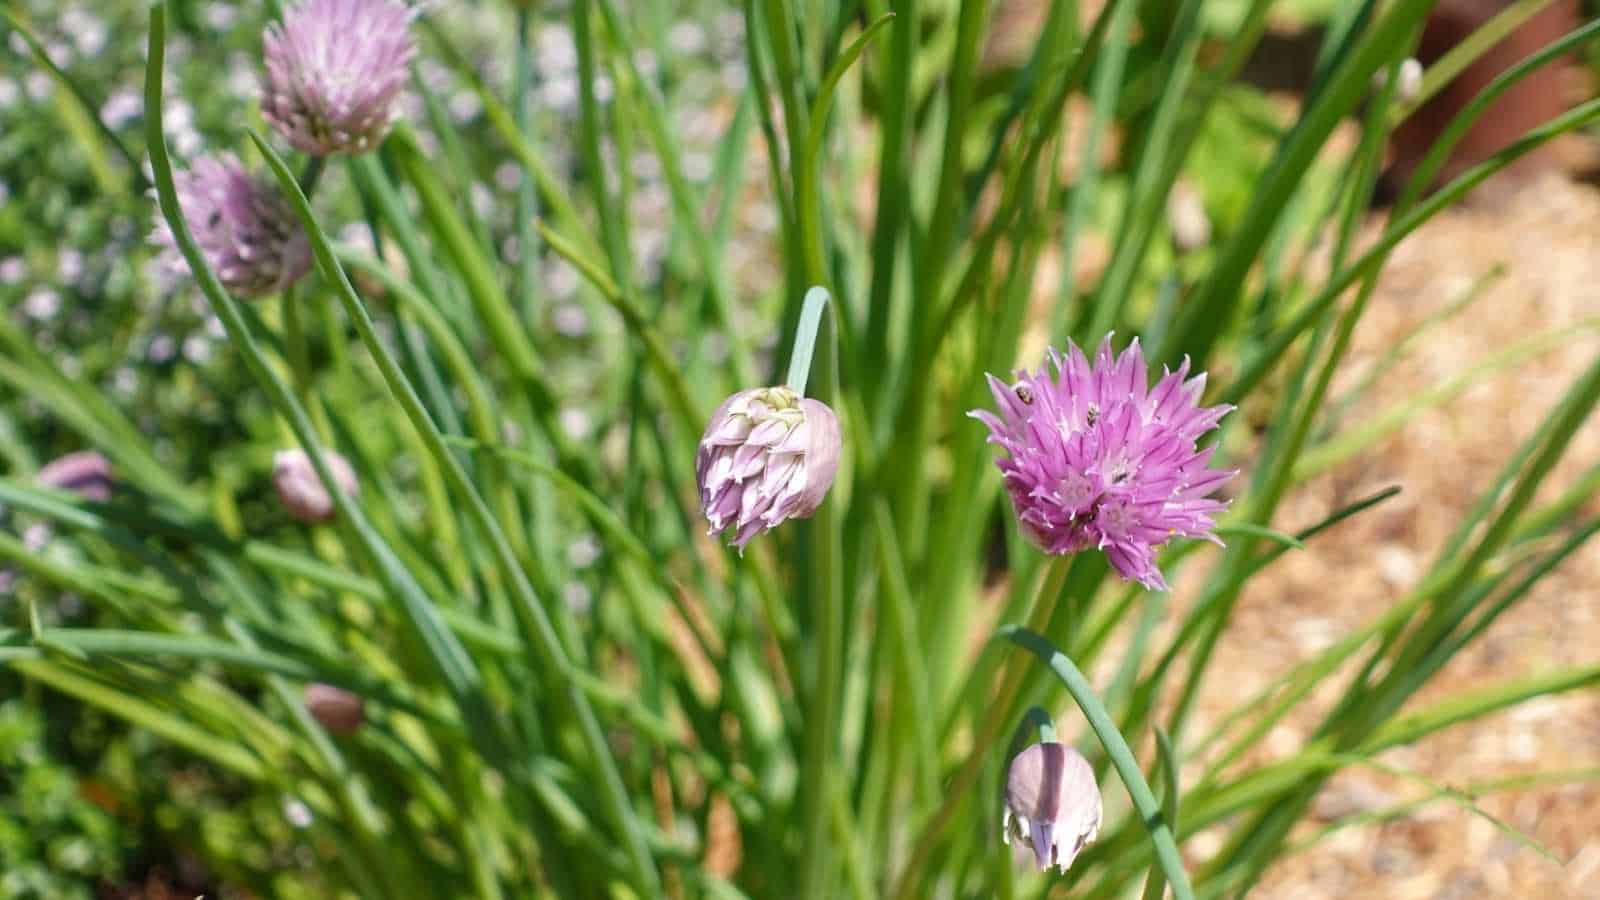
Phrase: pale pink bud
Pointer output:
(1052, 803)
(336, 709)
(768, 455)
(1187, 219)
(302, 492)
(85, 473)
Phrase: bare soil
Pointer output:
(1546, 233)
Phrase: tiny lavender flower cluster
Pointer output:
(334, 71)
(1096, 459)
(250, 236)
(768, 455)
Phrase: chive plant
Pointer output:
(492, 656)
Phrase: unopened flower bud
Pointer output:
(1052, 803)
(302, 492)
(85, 473)
(768, 455)
(334, 71)
(1408, 81)
(1409, 86)
(336, 709)
(1187, 219)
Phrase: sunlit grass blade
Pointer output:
(1465, 52)
(89, 109)
(1155, 886)
(1211, 310)
(454, 666)
(228, 754)
(538, 629)
(1377, 427)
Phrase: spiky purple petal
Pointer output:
(1097, 458)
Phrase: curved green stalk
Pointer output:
(1144, 802)
(807, 179)
(819, 765)
(1050, 589)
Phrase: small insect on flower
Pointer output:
(767, 455)
(1052, 804)
(334, 71)
(247, 232)
(301, 491)
(1095, 460)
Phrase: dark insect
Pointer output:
(1024, 393)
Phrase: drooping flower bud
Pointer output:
(248, 233)
(1410, 81)
(334, 71)
(85, 473)
(768, 455)
(1408, 85)
(1097, 460)
(1052, 803)
(336, 709)
(302, 492)
(1187, 219)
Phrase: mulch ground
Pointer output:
(1546, 233)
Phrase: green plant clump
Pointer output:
(393, 559)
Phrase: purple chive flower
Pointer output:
(334, 70)
(85, 473)
(248, 233)
(300, 489)
(1096, 460)
(767, 455)
(1052, 804)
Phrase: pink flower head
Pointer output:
(1094, 459)
(768, 455)
(334, 70)
(1052, 804)
(246, 229)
